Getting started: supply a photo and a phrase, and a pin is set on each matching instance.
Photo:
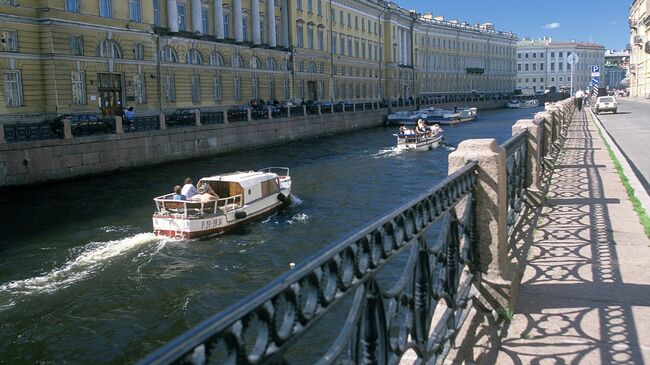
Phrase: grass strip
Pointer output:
(636, 204)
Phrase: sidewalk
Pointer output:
(585, 294)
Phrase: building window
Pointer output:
(299, 32)
(244, 25)
(541, 67)
(194, 57)
(319, 8)
(321, 45)
(106, 8)
(333, 42)
(271, 88)
(138, 51)
(285, 89)
(552, 66)
(309, 8)
(299, 4)
(271, 64)
(226, 25)
(156, 12)
(168, 55)
(534, 67)
(256, 88)
(349, 20)
(561, 54)
(134, 9)
(76, 45)
(216, 59)
(13, 88)
(217, 88)
(341, 18)
(140, 94)
(204, 20)
(321, 67)
(108, 48)
(255, 62)
(311, 67)
(182, 24)
(8, 41)
(78, 88)
(237, 61)
(310, 37)
(262, 27)
(560, 66)
(73, 6)
(170, 91)
(196, 89)
(526, 67)
(237, 90)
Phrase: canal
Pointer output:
(84, 281)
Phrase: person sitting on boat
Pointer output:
(189, 190)
(206, 194)
(177, 193)
(421, 129)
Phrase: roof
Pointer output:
(245, 179)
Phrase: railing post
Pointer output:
(304, 110)
(249, 115)
(225, 117)
(197, 117)
(354, 107)
(533, 131)
(161, 120)
(332, 108)
(319, 111)
(119, 126)
(269, 115)
(67, 129)
(490, 196)
(288, 111)
(2, 134)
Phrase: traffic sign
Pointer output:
(595, 80)
(573, 59)
(595, 69)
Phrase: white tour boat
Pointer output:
(242, 196)
(529, 104)
(420, 142)
(460, 115)
(513, 104)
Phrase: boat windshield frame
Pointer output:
(199, 208)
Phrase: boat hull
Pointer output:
(177, 226)
(420, 145)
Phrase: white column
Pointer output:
(270, 11)
(284, 14)
(399, 45)
(255, 9)
(237, 21)
(404, 48)
(218, 19)
(197, 21)
(172, 16)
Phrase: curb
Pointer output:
(639, 190)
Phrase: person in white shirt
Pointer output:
(189, 190)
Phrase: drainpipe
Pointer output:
(158, 72)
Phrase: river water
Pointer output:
(84, 281)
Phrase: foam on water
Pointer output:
(298, 218)
(387, 152)
(92, 258)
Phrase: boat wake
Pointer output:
(298, 218)
(92, 258)
(387, 152)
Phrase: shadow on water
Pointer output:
(83, 280)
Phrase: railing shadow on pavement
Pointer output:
(575, 246)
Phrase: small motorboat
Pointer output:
(409, 140)
(241, 197)
(529, 104)
(513, 104)
(403, 118)
(460, 115)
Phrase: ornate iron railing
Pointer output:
(139, 124)
(28, 132)
(516, 160)
(382, 323)
(211, 117)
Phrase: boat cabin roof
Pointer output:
(245, 179)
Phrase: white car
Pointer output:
(606, 104)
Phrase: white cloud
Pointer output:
(612, 22)
(552, 25)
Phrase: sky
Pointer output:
(600, 21)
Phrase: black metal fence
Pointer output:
(382, 322)
(140, 124)
(516, 160)
(28, 132)
(211, 117)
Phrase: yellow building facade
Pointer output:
(639, 68)
(73, 56)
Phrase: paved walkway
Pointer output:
(585, 294)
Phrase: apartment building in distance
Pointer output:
(542, 64)
(639, 22)
(616, 68)
(74, 56)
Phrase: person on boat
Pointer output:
(177, 193)
(189, 190)
(206, 194)
(421, 129)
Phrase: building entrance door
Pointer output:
(311, 90)
(110, 93)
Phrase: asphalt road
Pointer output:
(630, 130)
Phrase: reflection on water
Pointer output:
(82, 279)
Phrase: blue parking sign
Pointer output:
(595, 69)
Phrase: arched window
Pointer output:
(194, 57)
(271, 65)
(216, 59)
(110, 49)
(168, 55)
(255, 62)
(311, 67)
(237, 61)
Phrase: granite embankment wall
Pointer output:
(38, 161)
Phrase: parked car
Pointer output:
(606, 104)
(80, 124)
(312, 106)
(181, 116)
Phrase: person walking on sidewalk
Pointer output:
(579, 96)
